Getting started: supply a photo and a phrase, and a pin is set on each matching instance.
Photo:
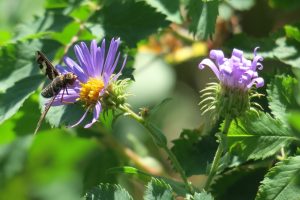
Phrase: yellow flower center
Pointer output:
(89, 92)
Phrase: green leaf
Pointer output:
(281, 97)
(170, 8)
(54, 4)
(155, 110)
(15, 96)
(178, 187)
(277, 46)
(157, 135)
(42, 25)
(289, 5)
(13, 157)
(282, 181)
(258, 137)
(292, 31)
(158, 190)
(203, 196)
(132, 21)
(108, 192)
(17, 60)
(19, 73)
(239, 183)
(194, 153)
(203, 17)
(294, 119)
(53, 166)
(67, 114)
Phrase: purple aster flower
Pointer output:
(95, 72)
(237, 71)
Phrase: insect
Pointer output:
(58, 82)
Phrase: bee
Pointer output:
(58, 82)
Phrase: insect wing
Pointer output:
(46, 66)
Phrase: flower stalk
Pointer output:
(160, 141)
(218, 155)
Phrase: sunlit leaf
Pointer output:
(203, 196)
(203, 17)
(282, 181)
(281, 97)
(108, 192)
(258, 137)
(170, 8)
(158, 190)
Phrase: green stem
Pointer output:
(151, 128)
(219, 152)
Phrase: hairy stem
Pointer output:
(151, 128)
(217, 157)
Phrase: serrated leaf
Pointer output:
(194, 153)
(108, 192)
(132, 21)
(281, 97)
(203, 196)
(158, 190)
(203, 16)
(15, 96)
(258, 137)
(282, 181)
(170, 8)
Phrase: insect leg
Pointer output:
(62, 96)
(62, 100)
(44, 114)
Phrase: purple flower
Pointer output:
(237, 71)
(94, 70)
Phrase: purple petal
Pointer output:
(62, 70)
(218, 56)
(87, 59)
(82, 118)
(120, 72)
(237, 53)
(74, 67)
(106, 79)
(101, 58)
(80, 58)
(93, 50)
(211, 65)
(96, 113)
(259, 82)
(256, 63)
(109, 61)
(66, 99)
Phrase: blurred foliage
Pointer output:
(164, 40)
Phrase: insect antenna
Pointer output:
(44, 114)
